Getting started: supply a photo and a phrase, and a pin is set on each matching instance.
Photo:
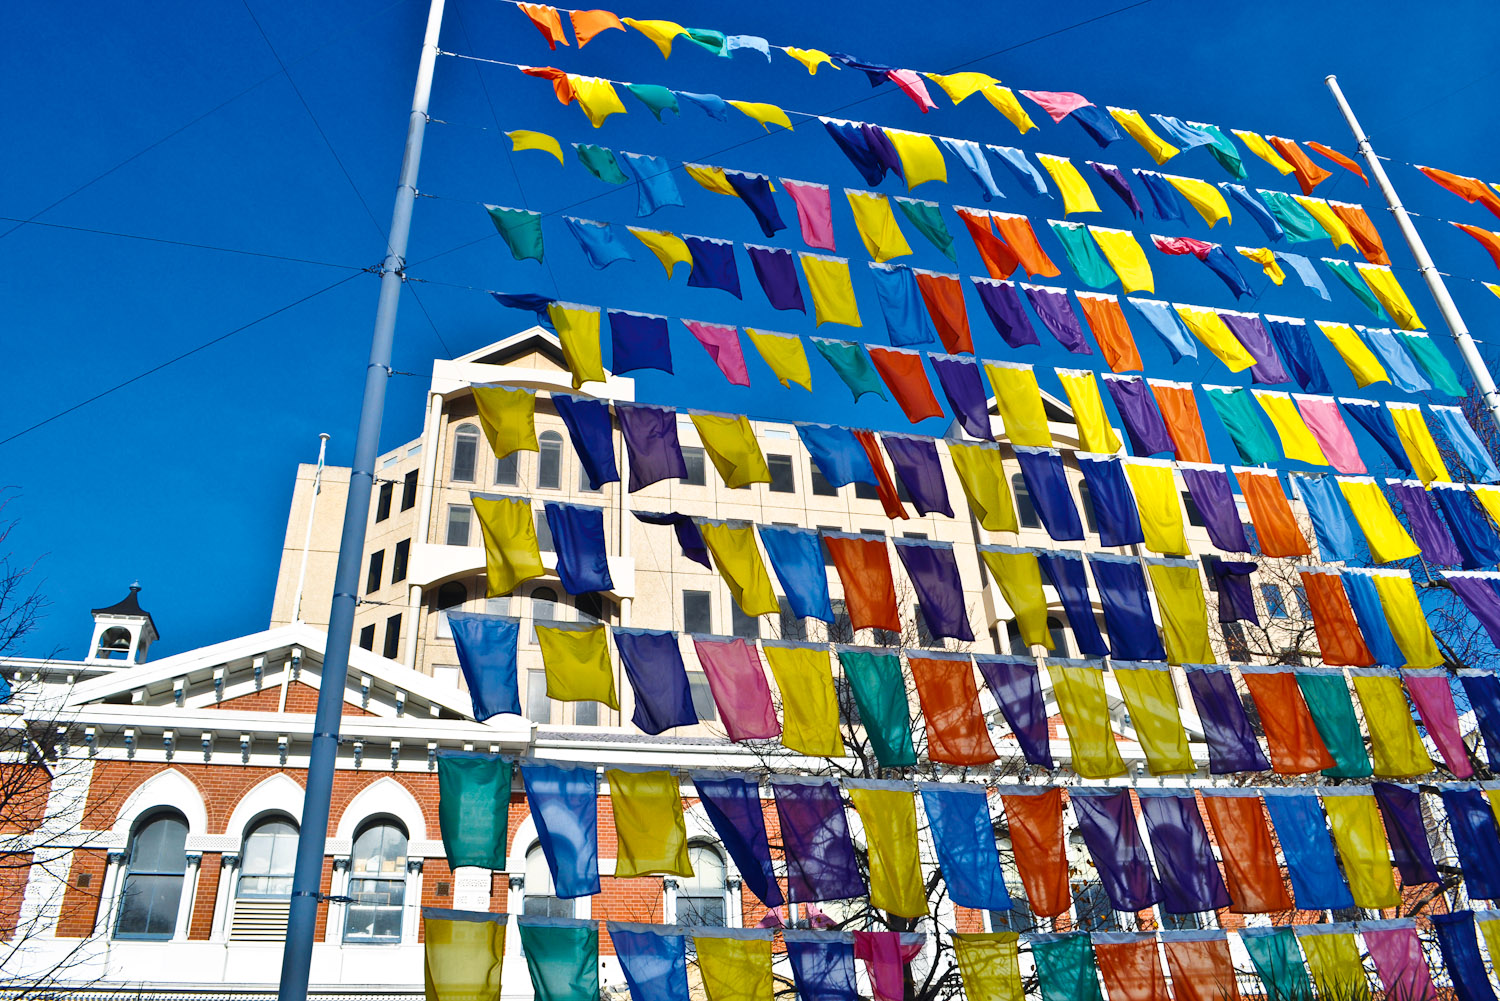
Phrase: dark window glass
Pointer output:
(1018, 645)
(267, 859)
(538, 705)
(549, 460)
(827, 556)
(399, 558)
(820, 485)
(367, 638)
(465, 453)
(459, 519)
(1194, 515)
(1025, 510)
(742, 625)
(782, 480)
(1091, 908)
(508, 470)
(697, 612)
(866, 491)
(692, 458)
(703, 698)
(1275, 601)
(452, 595)
(590, 606)
(393, 637)
(154, 872)
(924, 635)
(377, 567)
(377, 885)
(543, 609)
(541, 899)
(383, 501)
(409, 491)
(701, 898)
(586, 714)
(792, 627)
(1019, 918)
(1086, 501)
(543, 532)
(1235, 643)
(1059, 636)
(1300, 594)
(842, 630)
(1189, 922)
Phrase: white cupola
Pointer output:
(124, 631)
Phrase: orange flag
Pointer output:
(1131, 967)
(1201, 967)
(999, 260)
(561, 85)
(1362, 230)
(903, 372)
(1016, 230)
(548, 21)
(1488, 239)
(1110, 330)
(1340, 159)
(1275, 525)
(1179, 410)
(1296, 747)
(885, 487)
(1470, 189)
(1255, 883)
(1036, 836)
(1339, 638)
(864, 567)
(1309, 174)
(956, 733)
(588, 23)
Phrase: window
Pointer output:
(538, 705)
(701, 897)
(843, 697)
(393, 637)
(459, 516)
(1208, 571)
(697, 609)
(1025, 510)
(465, 453)
(586, 713)
(1194, 515)
(377, 884)
(450, 595)
(782, 480)
(540, 897)
(549, 460)
(1019, 918)
(1235, 643)
(1086, 501)
(367, 638)
(399, 558)
(703, 698)
(267, 860)
(544, 533)
(1274, 599)
(924, 634)
(154, 873)
(508, 470)
(585, 485)
(590, 607)
(842, 630)
(1092, 910)
(497, 606)
(913, 535)
(820, 485)
(409, 491)
(543, 609)
(746, 626)
(1059, 636)
(866, 491)
(792, 627)
(827, 554)
(377, 567)
(1189, 922)
(383, 500)
(1018, 645)
(692, 459)
(1300, 593)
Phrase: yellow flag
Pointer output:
(578, 330)
(1392, 296)
(982, 476)
(649, 823)
(785, 356)
(1085, 712)
(1019, 399)
(1296, 440)
(1488, 922)
(811, 58)
(1019, 574)
(596, 97)
(990, 965)
(1135, 126)
(1360, 835)
(1263, 149)
(1125, 255)
(809, 703)
(1266, 258)
(577, 664)
(961, 86)
(735, 969)
(765, 114)
(1492, 287)
(832, 292)
(661, 33)
(1204, 197)
(1095, 434)
(877, 225)
(524, 139)
(1387, 537)
(710, 178)
(1184, 618)
(1489, 496)
(1408, 622)
(669, 248)
(739, 563)
(1320, 210)
(1210, 328)
(1493, 795)
(508, 417)
(462, 957)
(1004, 101)
(1363, 364)
(888, 812)
(1395, 745)
(921, 160)
(511, 553)
(730, 443)
(1416, 438)
(1152, 702)
(1075, 190)
(1333, 959)
(1160, 508)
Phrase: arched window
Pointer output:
(154, 873)
(1025, 509)
(549, 460)
(267, 860)
(543, 609)
(377, 884)
(539, 894)
(1059, 637)
(508, 470)
(114, 644)
(702, 899)
(465, 453)
(453, 594)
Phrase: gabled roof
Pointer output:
(508, 349)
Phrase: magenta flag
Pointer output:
(723, 345)
(813, 211)
(1321, 414)
(737, 680)
(1430, 691)
(1398, 959)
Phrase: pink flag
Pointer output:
(1322, 417)
(1434, 701)
(1058, 103)
(1398, 959)
(1182, 245)
(738, 683)
(885, 953)
(813, 212)
(723, 346)
(915, 89)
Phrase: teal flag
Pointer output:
(852, 365)
(562, 955)
(1327, 698)
(928, 218)
(473, 808)
(655, 97)
(1432, 362)
(1223, 150)
(601, 163)
(1345, 272)
(1083, 254)
(1299, 224)
(1065, 967)
(1278, 960)
(1241, 416)
(880, 693)
(708, 38)
(521, 230)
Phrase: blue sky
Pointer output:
(181, 479)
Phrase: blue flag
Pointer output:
(653, 958)
(565, 807)
(837, 453)
(1317, 883)
(578, 536)
(797, 557)
(653, 663)
(486, 646)
(589, 426)
(964, 835)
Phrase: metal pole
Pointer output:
(312, 839)
(1456, 326)
(312, 509)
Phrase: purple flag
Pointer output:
(1427, 529)
(1209, 488)
(755, 191)
(959, 377)
(1064, 568)
(1236, 599)
(713, 264)
(1115, 178)
(1143, 421)
(1014, 683)
(820, 860)
(1003, 304)
(1107, 822)
(650, 435)
(1250, 332)
(1400, 808)
(639, 340)
(1056, 313)
(934, 573)
(688, 536)
(1226, 727)
(883, 149)
(1127, 608)
(916, 462)
(1190, 878)
(777, 272)
(1047, 485)
(1479, 595)
(653, 663)
(732, 803)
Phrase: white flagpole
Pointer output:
(312, 509)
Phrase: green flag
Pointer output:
(1327, 698)
(929, 219)
(562, 955)
(1083, 254)
(852, 365)
(1224, 150)
(1278, 960)
(880, 693)
(521, 230)
(601, 163)
(1346, 273)
(1299, 223)
(655, 97)
(1438, 370)
(473, 808)
(1241, 417)
(1065, 968)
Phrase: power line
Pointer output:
(182, 243)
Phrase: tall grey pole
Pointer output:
(296, 962)
(1456, 326)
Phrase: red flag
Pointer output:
(999, 260)
(885, 487)
(1309, 174)
(561, 85)
(864, 567)
(1470, 189)
(944, 298)
(1182, 245)
(903, 372)
(1488, 239)
(548, 21)
(1340, 159)
(1250, 869)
